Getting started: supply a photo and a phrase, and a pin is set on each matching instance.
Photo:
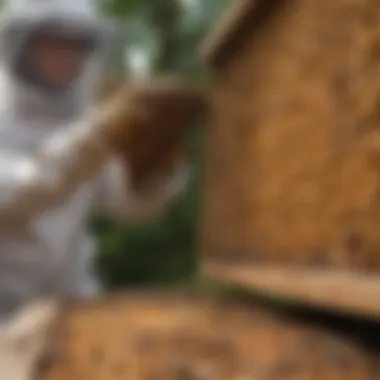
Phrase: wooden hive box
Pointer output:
(157, 336)
(292, 183)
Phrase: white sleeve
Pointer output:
(29, 185)
(116, 198)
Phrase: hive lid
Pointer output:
(338, 291)
(239, 20)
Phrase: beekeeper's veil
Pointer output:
(20, 21)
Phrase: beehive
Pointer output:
(291, 203)
(157, 336)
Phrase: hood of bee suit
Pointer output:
(20, 20)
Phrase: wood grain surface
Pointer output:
(178, 337)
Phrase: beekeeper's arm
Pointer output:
(30, 184)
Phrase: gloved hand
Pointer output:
(146, 124)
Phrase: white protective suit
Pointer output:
(51, 177)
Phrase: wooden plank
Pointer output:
(161, 337)
(239, 21)
(349, 292)
(26, 339)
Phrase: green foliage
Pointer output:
(119, 9)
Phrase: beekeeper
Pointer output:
(58, 161)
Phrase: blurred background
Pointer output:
(158, 37)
